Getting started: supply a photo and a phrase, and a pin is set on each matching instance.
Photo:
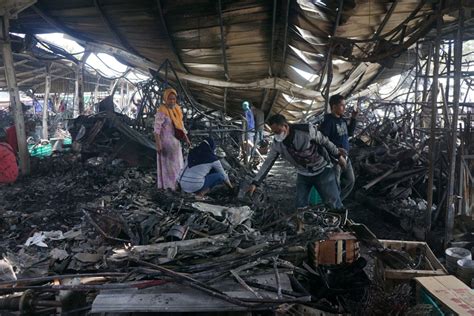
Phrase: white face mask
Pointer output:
(280, 137)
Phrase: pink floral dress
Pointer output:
(170, 161)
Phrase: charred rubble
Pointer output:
(91, 223)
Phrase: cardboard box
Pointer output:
(450, 294)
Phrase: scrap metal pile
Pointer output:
(391, 163)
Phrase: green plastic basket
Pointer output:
(40, 150)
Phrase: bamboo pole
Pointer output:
(14, 96)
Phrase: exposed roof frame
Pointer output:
(113, 30)
(58, 25)
(168, 35)
(385, 19)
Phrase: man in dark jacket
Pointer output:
(335, 128)
(300, 145)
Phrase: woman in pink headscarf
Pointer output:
(169, 132)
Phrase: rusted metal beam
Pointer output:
(450, 211)
(223, 45)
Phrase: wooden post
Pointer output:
(79, 91)
(14, 95)
(47, 88)
(450, 210)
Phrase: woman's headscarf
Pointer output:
(175, 114)
(204, 153)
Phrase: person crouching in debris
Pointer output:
(8, 164)
(169, 133)
(302, 145)
(335, 128)
(197, 177)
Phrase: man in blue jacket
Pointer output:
(335, 128)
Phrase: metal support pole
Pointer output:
(415, 106)
(79, 92)
(225, 101)
(450, 210)
(96, 91)
(14, 95)
(122, 95)
(448, 78)
(434, 110)
(47, 88)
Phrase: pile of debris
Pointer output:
(89, 231)
(392, 179)
(98, 226)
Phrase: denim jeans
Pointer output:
(326, 185)
(345, 179)
(211, 180)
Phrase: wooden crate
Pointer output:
(391, 277)
(338, 248)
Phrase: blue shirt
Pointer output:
(250, 120)
(337, 130)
